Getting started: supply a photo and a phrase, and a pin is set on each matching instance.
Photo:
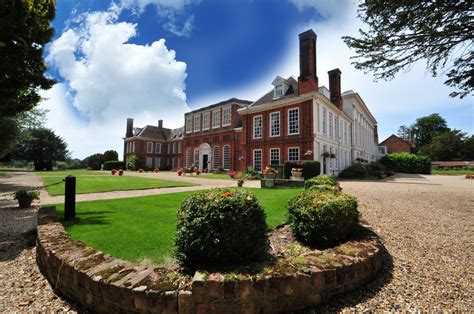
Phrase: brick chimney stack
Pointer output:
(307, 81)
(376, 134)
(160, 124)
(335, 87)
(129, 132)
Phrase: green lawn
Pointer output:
(452, 171)
(75, 172)
(144, 227)
(224, 176)
(98, 182)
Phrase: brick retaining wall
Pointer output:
(105, 284)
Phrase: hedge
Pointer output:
(113, 164)
(311, 168)
(322, 218)
(407, 163)
(322, 179)
(220, 227)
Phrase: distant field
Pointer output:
(452, 171)
(11, 169)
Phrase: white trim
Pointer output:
(288, 121)
(219, 121)
(261, 127)
(270, 155)
(270, 123)
(208, 114)
(299, 153)
(261, 158)
(197, 126)
(230, 115)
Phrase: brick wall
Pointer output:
(396, 145)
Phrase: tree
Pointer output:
(9, 132)
(110, 155)
(25, 29)
(445, 146)
(404, 132)
(43, 148)
(467, 150)
(404, 32)
(132, 162)
(94, 161)
(425, 128)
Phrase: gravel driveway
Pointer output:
(425, 221)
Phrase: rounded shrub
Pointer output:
(325, 188)
(220, 227)
(357, 170)
(323, 218)
(322, 179)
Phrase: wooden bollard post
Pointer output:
(70, 198)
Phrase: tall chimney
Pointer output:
(129, 128)
(307, 81)
(335, 87)
(160, 123)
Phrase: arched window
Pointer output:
(215, 158)
(226, 157)
(189, 160)
(196, 156)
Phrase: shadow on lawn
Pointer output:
(91, 218)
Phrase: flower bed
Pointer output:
(298, 278)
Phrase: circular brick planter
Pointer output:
(300, 279)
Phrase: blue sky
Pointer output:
(156, 59)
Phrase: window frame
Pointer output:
(261, 159)
(299, 153)
(216, 161)
(218, 125)
(271, 125)
(197, 122)
(224, 111)
(206, 117)
(158, 145)
(224, 157)
(189, 124)
(261, 127)
(270, 155)
(149, 147)
(289, 121)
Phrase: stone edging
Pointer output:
(105, 284)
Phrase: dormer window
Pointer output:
(281, 86)
(278, 91)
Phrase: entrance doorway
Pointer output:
(205, 159)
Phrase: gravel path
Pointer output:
(22, 287)
(425, 221)
(428, 228)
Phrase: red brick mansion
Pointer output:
(296, 120)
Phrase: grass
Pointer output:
(222, 176)
(96, 182)
(144, 227)
(75, 172)
(2, 173)
(14, 169)
(452, 171)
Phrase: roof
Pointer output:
(240, 102)
(292, 91)
(394, 137)
(155, 132)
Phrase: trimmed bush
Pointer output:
(311, 168)
(322, 179)
(322, 219)
(407, 163)
(220, 227)
(324, 188)
(113, 164)
(357, 170)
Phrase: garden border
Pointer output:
(106, 284)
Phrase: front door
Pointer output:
(205, 158)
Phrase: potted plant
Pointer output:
(156, 170)
(332, 155)
(232, 174)
(120, 172)
(198, 172)
(297, 172)
(326, 155)
(25, 197)
(270, 172)
(240, 178)
(140, 170)
(180, 172)
(114, 171)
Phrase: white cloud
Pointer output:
(108, 79)
(326, 8)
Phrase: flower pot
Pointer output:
(296, 174)
(240, 183)
(25, 202)
(270, 176)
